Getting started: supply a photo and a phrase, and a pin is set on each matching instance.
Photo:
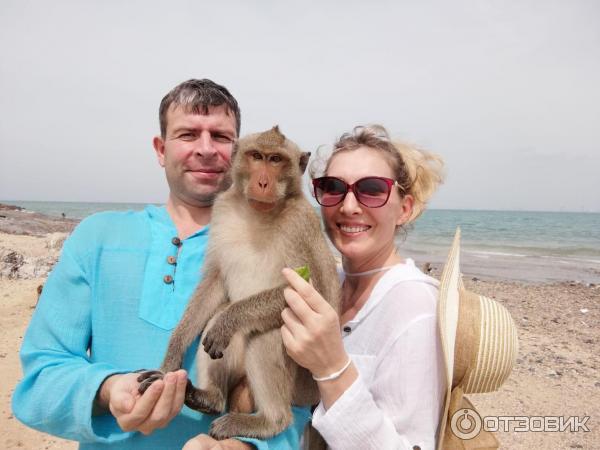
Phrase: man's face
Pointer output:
(196, 153)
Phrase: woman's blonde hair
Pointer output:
(418, 171)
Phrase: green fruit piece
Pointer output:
(304, 272)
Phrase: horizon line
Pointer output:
(428, 209)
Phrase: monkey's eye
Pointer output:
(275, 158)
(256, 156)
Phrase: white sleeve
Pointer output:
(400, 407)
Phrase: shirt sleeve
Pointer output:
(57, 392)
(399, 406)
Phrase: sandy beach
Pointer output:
(557, 372)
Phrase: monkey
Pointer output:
(261, 224)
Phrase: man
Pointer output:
(120, 287)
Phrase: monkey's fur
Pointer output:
(261, 224)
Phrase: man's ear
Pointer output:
(304, 161)
(159, 148)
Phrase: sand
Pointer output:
(558, 367)
(557, 372)
(17, 302)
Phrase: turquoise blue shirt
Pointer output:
(106, 308)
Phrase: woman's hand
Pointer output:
(311, 330)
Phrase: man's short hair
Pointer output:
(197, 96)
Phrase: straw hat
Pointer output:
(479, 342)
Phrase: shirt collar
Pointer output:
(406, 271)
(160, 215)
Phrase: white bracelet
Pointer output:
(334, 375)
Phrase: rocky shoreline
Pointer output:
(22, 258)
(17, 220)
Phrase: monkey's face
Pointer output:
(268, 168)
(196, 153)
(364, 235)
(267, 177)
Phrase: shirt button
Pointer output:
(416, 447)
(171, 260)
(176, 241)
(168, 279)
(347, 329)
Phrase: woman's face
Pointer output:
(364, 235)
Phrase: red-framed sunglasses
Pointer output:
(372, 192)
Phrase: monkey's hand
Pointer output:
(147, 377)
(218, 338)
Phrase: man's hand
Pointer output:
(145, 413)
(205, 442)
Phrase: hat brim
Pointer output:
(448, 304)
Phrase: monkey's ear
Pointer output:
(304, 157)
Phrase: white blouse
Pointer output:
(396, 401)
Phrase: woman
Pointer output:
(382, 379)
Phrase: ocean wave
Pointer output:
(569, 260)
(487, 254)
(561, 259)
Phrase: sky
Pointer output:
(508, 93)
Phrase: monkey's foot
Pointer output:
(249, 425)
(147, 377)
(207, 402)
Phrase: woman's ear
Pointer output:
(406, 205)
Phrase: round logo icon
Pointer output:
(465, 423)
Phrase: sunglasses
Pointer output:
(372, 192)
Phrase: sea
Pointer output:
(514, 245)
